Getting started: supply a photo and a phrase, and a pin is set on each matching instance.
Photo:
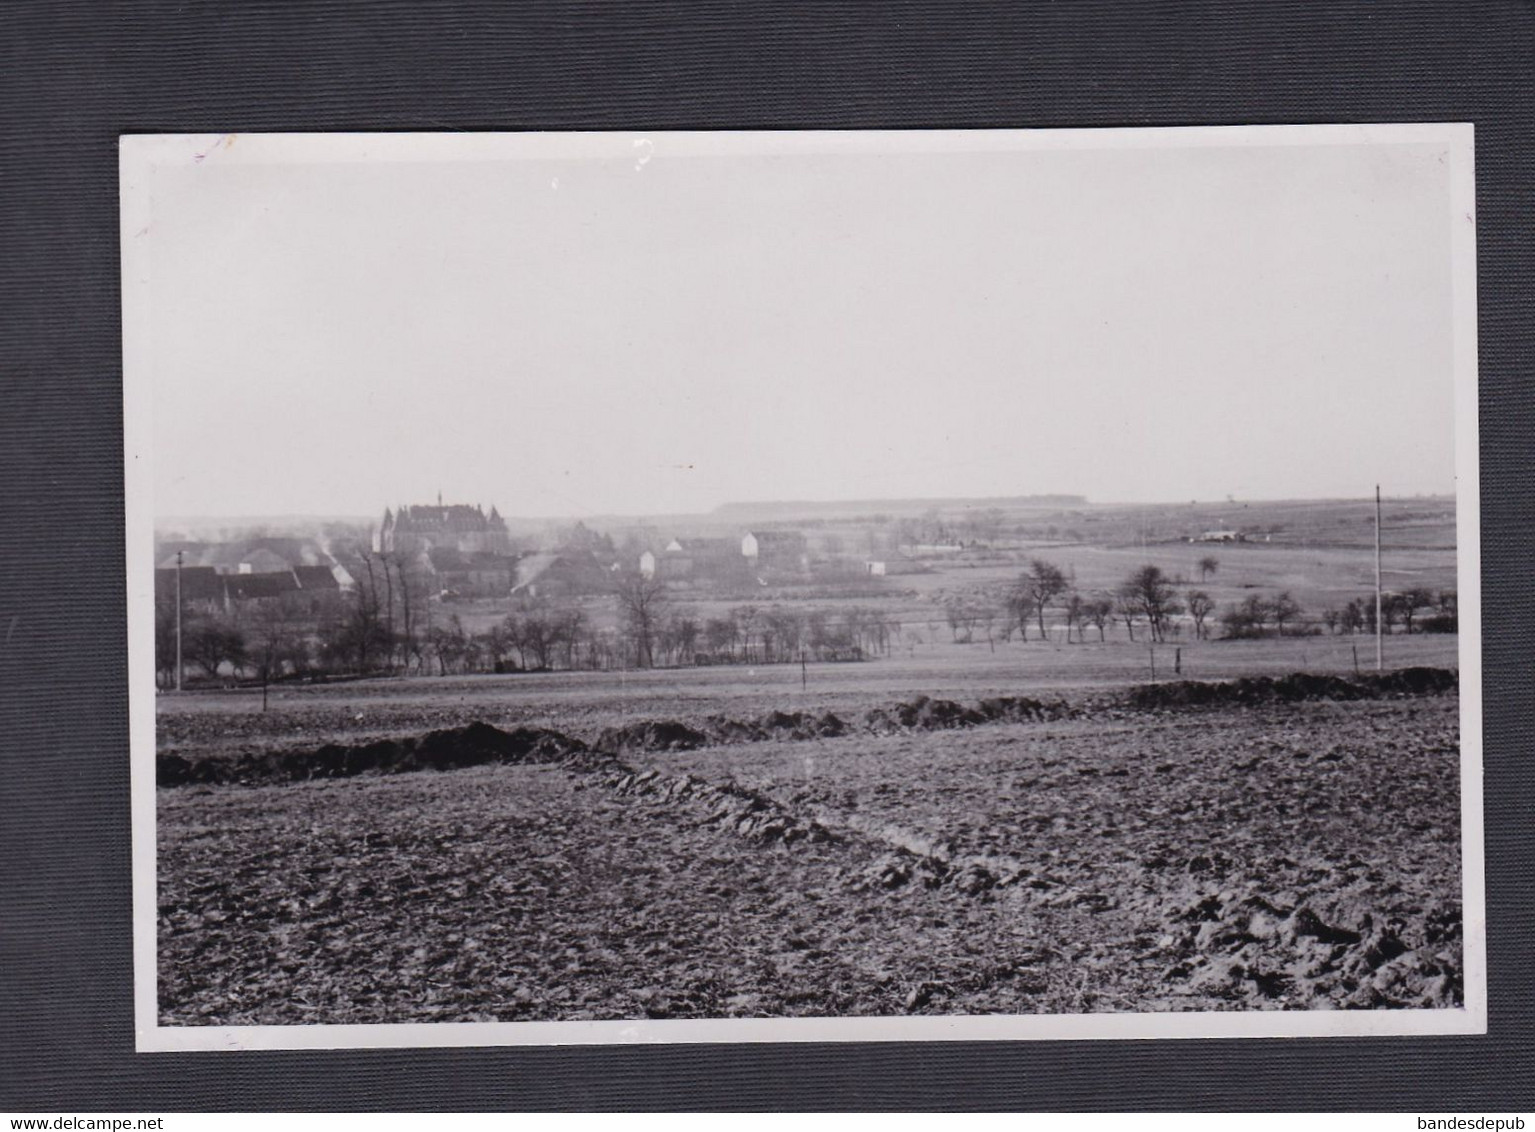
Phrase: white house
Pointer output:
(783, 550)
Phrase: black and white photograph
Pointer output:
(802, 586)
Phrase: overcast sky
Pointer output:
(638, 330)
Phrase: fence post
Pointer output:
(1178, 661)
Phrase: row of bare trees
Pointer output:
(1146, 597)
(1148, 601)
(1254, 614)
(1417, 610)
(387, 626)
(1151, 597)
(667, 634)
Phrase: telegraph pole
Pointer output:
(1379, 621)
(178, 621)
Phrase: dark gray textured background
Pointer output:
(75, 74)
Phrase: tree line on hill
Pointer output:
(1150, 601)
(388, 627)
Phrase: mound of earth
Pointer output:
(1414, 682)
(1018, 709)
(802, 725)
(775, 725)
(478, 743)
(922, 714)
(1294, 688)
(448, 749)
(650, 735)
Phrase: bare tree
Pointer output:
(498, 644)
(359, 636)
(451, 644)
(1283, 609)
(1044, 583)
(1152, 593)
(643, 603)
(1098, 610)
(986, 616)
(961, 623)
(679, 638)
(389, 611)
(1128, 607)
(1208, 565)
(1390, 612)
(1200, 606)
(535, 634)
(1076, 610)
(1351, 617)
(1411, 603)
(720, 636)
(1020, 607)
(415, 611)
(788, 632)
(1248, 619)
(567, 626)
(746, 618)
(276, 640)
(211, 642)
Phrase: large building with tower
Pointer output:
(453, 526)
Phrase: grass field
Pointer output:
(584, 702)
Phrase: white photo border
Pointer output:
(140, 155)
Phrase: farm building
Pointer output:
(546, 575)
(262, 561)
(700, 558)
(775, 550)
(245, 556)
(241, 588)
(1221, 536)
(205, 590)
(472, 575)
(202, 588)
(319, 579)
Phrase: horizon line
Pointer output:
(334, 516)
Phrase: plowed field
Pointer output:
(1281, 856)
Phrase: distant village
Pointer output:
(449, 587)
(461, 551)
(414, 591)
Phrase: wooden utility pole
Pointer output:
(1380, 626)
(178, 621)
